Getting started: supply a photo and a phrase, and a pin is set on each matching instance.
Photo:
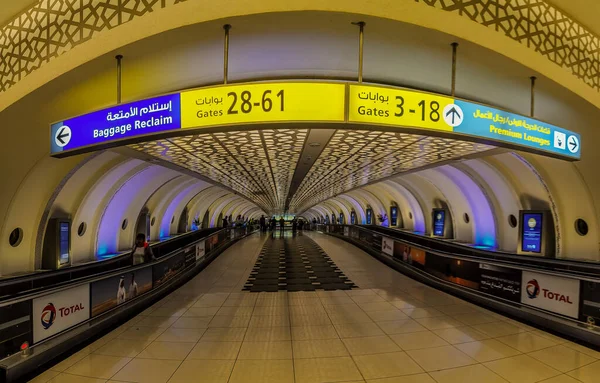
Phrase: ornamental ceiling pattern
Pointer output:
(52, 27)
(260, 164)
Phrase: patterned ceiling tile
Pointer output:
(260, 164)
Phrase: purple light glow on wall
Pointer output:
(484, 226)
(115, 212)
(165, 224)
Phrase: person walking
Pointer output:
(141, 251)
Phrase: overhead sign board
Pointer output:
(267, 102)
(297, 101)
(413, 109)
(154, 115)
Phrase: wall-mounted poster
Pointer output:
(200, 250)
(111, 292)
(501, 282)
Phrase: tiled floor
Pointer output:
(391, 330)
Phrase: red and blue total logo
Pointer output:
(48, 316)
(533, 289)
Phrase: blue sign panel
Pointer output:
(487, 122)
(439, 221)
(342, 218)
(394, 215)
(532, 232)
(353, 218)
(369, 216)
(138, 118)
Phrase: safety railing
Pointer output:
(561, 291)
(37, 281)
(32, 319)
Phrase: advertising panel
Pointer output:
(439, 221)
(411, 255)
(346, 231)
(501, 282)
(111, 292)
(464, 273)
(394, 216)
(57, 312)
(532, 232)
(552, 293)
(590, 295)
(387, 246)
(166, 270)
(190, 255)
(211, 243)
(200, 253)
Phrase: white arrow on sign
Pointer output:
(62, 137)
(573, 144)
(453, 115)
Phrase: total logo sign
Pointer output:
(556, 294)
(387, 245)
(57, 312)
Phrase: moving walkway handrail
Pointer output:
(560, 267)
(24, 285)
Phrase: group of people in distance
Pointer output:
(297, 224)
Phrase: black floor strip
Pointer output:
(294, 262)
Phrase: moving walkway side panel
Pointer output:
(562, 301)
(52, 322)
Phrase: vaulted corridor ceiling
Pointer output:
(290, 170)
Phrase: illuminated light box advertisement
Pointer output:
(532, 232)
(154, 115)
(408, 108)
(264, 102)
(501, 282)
(394, 215)
(439, 222)
(111, 292)
(548, 292)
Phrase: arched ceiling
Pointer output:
(290, 170)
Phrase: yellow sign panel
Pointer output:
(264, 102)
(398, 107)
